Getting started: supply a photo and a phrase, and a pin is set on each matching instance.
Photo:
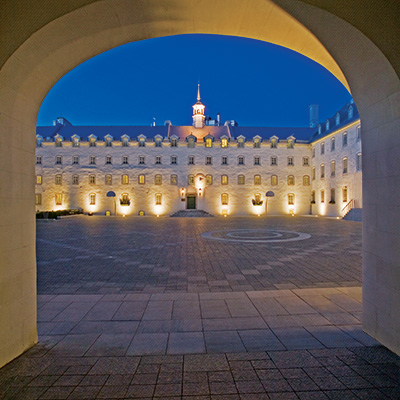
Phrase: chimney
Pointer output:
(218, 119)
(314, 115)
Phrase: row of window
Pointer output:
(333, 195)
(174, 160)
(158, 142)
(333, 142)
(241, 179)
(125, 199)
(345, 167)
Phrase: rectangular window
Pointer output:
(224, 142)
(344, 194)
(256, 160)
(290, 180)
(158, 199)
(313, 173)
(75, 160)
(224, 199)
(174, 160)
(224, 161)
(58, 199)
(124, 159)
(75, 179)
(92, 179)
(92, 142)
(141, 160)
(190, 179)
(39, 160)
(240, 142)
(125, 201)
(224, 179)
(274, 180)
(208, 160)
(313, 152)
(125, 142)
(290, 144)
(322, 196)
(344, 138)
(274, 160)
(358, 161)
(322, 171)
(333, 144)
(257, 179)
(58, 179)
(142, 142)
(174, 142)
(158, 180)
(241, 179)
(333, 168)
(38, 200)
(174, 179)
(306, 161)
(38, 179)
(313, 197)
(332, 201)
(273, 144)
(358, 133)
(108, 143)
(208, 142)
(191, 160)
(191, 142)
(108, 179)
(257, 143)
(125, 179)
(92, 199)
(322, 148)
(291, 199)
(108, 160)
(92, 160)
(306, 180)
(345, 165)
(141, 179)
(158, 159)
(58, 160)
(58, 142)
(240, 160)
(209, 179)
(158, 143)
(290, 161)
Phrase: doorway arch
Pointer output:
(40, 47)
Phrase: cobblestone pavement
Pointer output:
(148, 308)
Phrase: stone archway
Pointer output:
(42, 41)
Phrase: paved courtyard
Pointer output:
(201, 308)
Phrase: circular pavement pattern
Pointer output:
(256, 236)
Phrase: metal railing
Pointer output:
(348, 207)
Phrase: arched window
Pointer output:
(257, 179)
(257, 199)
(333, 168)
(313, 197)
(209, 179)
(322, 171)
(290, 199)
(327, 125)
(158, 180)
(313, 173)
(59, 199)
(344, 194)
(125, 179)
(58, 142)
(322, 148)
(344, 139)
(158, 199)
(241, 180)
(174, 179)
(92, 199)
(290, 180)
(274, 180)
(350, 112)
(224, 179)
(345, 165)
(58, 180)
(224, 199)
(191, 179)
(322, 196)
(333, 144)
(38, 179)
(358, 162)
(108, 179)
(141, 179)
(337, 119)
(306, 180)
(125, 200)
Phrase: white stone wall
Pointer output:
(352, 179)
(142, 196)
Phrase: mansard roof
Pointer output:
(282, 133)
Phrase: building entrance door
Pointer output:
(191, 202)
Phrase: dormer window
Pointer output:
(256, 142)
(58, 142)
(274, 143)
(158, 141)
(142, 141)
(327, 125)
(240, 142)
(174, 142)
(92, 142)
(108, 141)
(290, 143)
(350, 112)
(39, 141)
(125, 141)
(75, 141)
(224, 142)
(208, 142)
(319, 129)
(191, 141)
(337, 119)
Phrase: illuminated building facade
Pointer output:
(222, 169)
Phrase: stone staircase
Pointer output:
(355, 214)
(192, 213)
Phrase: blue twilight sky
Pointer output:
(253, 82)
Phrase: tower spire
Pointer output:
(198, 111)
(198, 92)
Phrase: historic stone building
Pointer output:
(222, 169)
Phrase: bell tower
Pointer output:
(198, 111)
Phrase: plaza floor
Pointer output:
(201, 308)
